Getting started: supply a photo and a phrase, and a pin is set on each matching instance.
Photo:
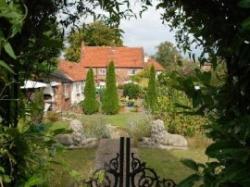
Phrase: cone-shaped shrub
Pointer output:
(151, 95)
(110, 102)
(90, 104)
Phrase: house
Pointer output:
(77, 75)
(148, 62)
(127, 60)
(57, 94)
(56, 88)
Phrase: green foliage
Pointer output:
(71, 172)
(29, 149)
(139, 129)
(131, 90)
(110, 101)
(142, 74)
(73, 51)
(175, 119)
(52, 116)
(30, 41)
(170, 108)
(36, 107)
(151, 95)
(224, 39)
(130, 102)
(97, 33)
(97, 127)
(167, 55)
(90, 104)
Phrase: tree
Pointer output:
(167, 55)
(151, 95)
(222, 29)
(73, 51)
(90, 104)
(94, 34)
(110, 102)
(131, 90)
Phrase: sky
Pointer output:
(147, 32)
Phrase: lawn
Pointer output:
(76, 165)
(120, 120)
(168, 164)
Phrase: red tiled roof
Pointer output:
(157, 65)
(74, 70)
(123, 57)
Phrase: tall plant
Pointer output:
(90, 104)
(151, 95)
(37, 107)
(110, 102)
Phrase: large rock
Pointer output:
(77, 131)
(77, 138)
(160, 138)
(65, 139)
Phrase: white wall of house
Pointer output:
(77, 92)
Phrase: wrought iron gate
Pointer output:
(125, 170)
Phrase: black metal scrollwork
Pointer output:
(108, 176)
(142, 176)
(137, 174)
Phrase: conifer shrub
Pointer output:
(151, 93)
(110, 101)
(90, 104)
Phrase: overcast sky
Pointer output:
(147, 32)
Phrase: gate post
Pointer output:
(127, 162)
(121, 161)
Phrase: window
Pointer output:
(102, 71)
(77, 87)
(132, 71)
(66, 90)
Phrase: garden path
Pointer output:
(116, 132)
(107, 149)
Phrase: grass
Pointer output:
(119, 120)
(167, 163)
(76, 165)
